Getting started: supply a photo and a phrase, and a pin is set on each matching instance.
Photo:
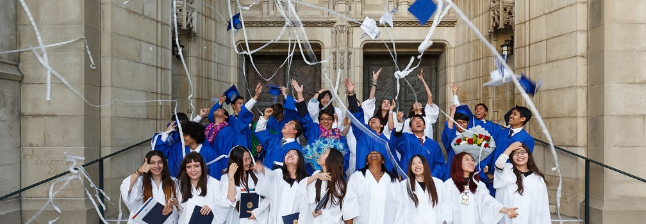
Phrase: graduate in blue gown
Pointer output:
(408, 144)
(451, 131)
(217, 135)
(193, 138)
(517, 117)
(366, 144)
(319, 132)
(242, 117)
(276, 145)
(480, 118)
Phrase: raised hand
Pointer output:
(421, 75)
(233, 168)
(393, 105)
(452, 109)
(171, 126)
(400, 117)
(222, 99)
(257, 91)
(204, 112)
(283, 90)
(268, 112)
(297, 88)
(144, 168)
(349, 86)
(454, 88)
(375, 76)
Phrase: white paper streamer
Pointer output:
(42, 47)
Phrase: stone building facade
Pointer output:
(587, 52)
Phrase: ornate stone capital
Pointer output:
(501, 14)
(186, 16)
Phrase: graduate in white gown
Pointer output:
(373, 195)
(470, 199)
(428, 201)
(327, 188)
(151, 179)
(282, 187)
(236, 182)
(197, 188)
(318, 102)
(521, 184)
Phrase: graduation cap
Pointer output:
(274, 91)
(530, 86)
(370, 27)
(422, 10)
(231, 93)
(464, 109)
(235, 22)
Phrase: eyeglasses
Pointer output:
(521, 153)
(327, 119)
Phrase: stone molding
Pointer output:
(411, 23)
(501, 14)
(186, 15)
(9, 71)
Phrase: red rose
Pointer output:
(480, 136)
(486, 137)
(458, 141)
(470, 141)
(486, 145)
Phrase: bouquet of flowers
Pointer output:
(475, 140)
(313, 151)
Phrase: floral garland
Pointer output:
(212, 130)
(312, 152)
(332, 133)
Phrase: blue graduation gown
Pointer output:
(408, 145)
(221, 145)
(289, 114)
(174, 156)
(272, 151)
(365, 145)
(241, 132)
(312, 133)
(447, 137)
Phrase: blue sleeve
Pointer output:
(262, 137)
(447, 136)
(346, 157)
(399, 142)
(213, 108)
(165, 148)
(358, 134)
(438, 161)
(529, 141)
(274, 125)
(245, 117)
(311, 130)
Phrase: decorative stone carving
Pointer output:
(502, 13)
(186, 16)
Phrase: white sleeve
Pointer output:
(407, 126)
(351, 205)
(197, 119)
(133, 199)
(313, 109)
(455, 100)
(504, 177)
(432, 112)
(340, 115)
(219, 208)
(268, 182)
(164, 136)
(445, 212)
(249, 105)
(399, 127)
(368, 108)
(489, 206)
(224, 191)
(261, 125)
(501, 161)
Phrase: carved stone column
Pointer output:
(341, 53)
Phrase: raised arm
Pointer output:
(454, 89)
(391, 122)
(429, 95)
(375, 77)
(452, 115)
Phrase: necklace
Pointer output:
(465, 194)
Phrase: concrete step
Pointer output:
(566, 219)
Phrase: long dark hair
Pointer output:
(530, 165)
(428, 181)
(411, 113)
(383, 168)
(167, 183)
(326, 92)
(334, 165)
(379, 114)
(300, 169)
(185, 180)
(457, 174)
(237, 156)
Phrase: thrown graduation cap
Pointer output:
(464, 109)
(235, 22)
(231, 93)
(274, 91)
(530, 86)
(370, 27)
(422, 10)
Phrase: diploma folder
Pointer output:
(248, 202)
(291, 218)
(150, 212)
(198, 218)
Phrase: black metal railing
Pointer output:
(99, 160)
(587, 175)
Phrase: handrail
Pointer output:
(67, 172)
(587, 176)
(593, 161)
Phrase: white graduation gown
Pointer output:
(370, 202)
(352, 144)
(432, 113)
(533, 206)
(331, 214)
(425, 212)
(369, 111)
(134, 200)
(219, 208)
(283, 198)
(313, 110)
(482, 208)
(261, 212)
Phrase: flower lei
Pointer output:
(212, 130)
(334, 133)
(314, 150)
